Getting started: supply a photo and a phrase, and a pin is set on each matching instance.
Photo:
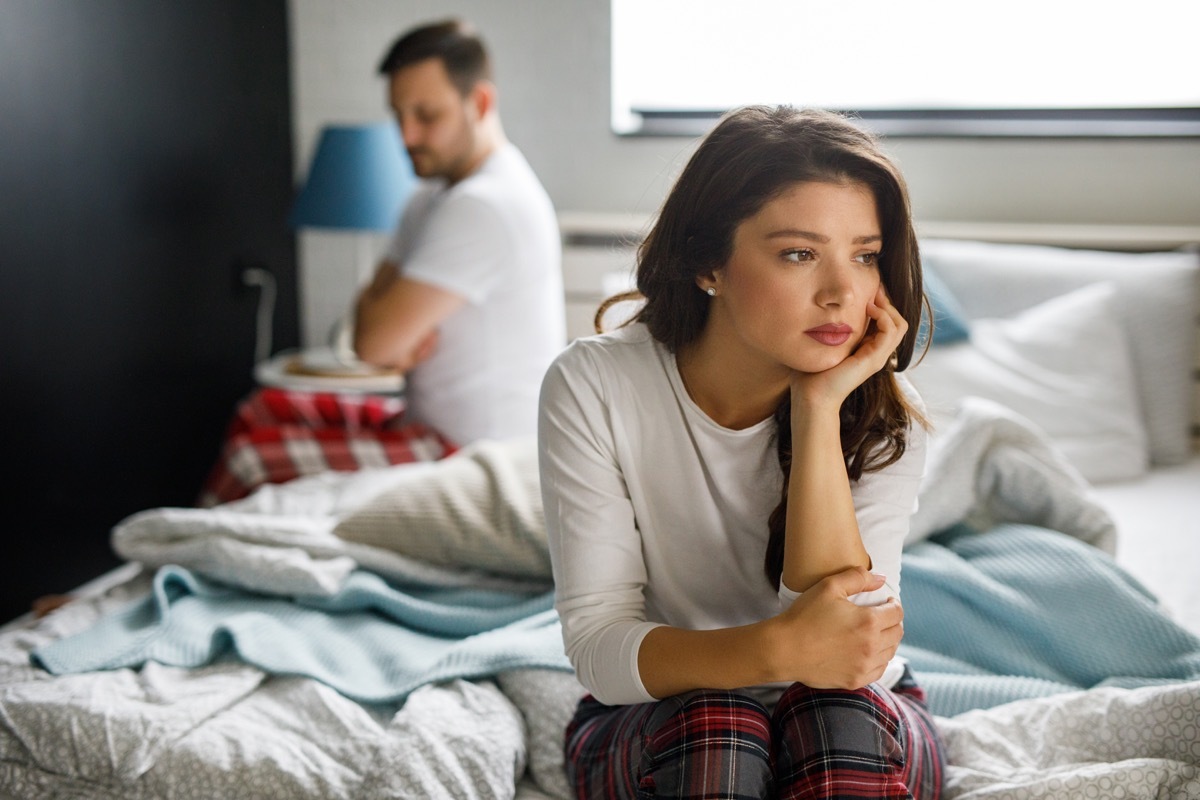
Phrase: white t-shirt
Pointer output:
(492, 239)
(657, 515)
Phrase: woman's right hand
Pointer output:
(886, 332)
(825, 641)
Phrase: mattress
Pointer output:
(1158, 534)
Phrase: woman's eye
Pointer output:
(798, 255)
(870, 259)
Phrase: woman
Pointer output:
(728, 483)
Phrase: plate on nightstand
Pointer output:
(319, 370)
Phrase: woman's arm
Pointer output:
(823, 640)
(821, 530)
(595, 545)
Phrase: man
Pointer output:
(468, 301)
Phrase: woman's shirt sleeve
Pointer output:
(595, 546)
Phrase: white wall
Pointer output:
(552, 59)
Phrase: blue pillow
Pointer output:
(950, 321)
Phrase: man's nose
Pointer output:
(410, 133)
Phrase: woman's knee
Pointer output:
(709, 714)
(811, 722)
(828, 741)
(708, 736)
(870, 701)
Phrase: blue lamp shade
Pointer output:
(360, 179)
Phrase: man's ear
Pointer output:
(483, 98)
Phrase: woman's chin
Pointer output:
(820, 362)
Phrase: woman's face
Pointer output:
(803, 269)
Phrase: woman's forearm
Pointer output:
(822, 534)
(674, 660)
(820, 640)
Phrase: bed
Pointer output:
(389, 631)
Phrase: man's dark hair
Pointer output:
(453, 41)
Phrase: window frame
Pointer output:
(1172, 123)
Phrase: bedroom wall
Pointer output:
(552, 64)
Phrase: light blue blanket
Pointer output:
(1021, 611)
(1015, 612)
(371, 641)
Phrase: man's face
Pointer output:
(438, 124)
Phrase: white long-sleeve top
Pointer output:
(657, 515)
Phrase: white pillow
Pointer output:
(1064, 365)
(1158, 303)
(481, 508)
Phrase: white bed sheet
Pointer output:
(1158, 534)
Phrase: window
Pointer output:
(918, 68)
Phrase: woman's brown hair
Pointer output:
(753, 155)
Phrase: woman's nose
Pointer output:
(835, 288)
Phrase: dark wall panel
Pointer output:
(145, 148)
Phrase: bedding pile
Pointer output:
(371, 641)
(216, 667)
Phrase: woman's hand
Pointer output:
(834, 385)
(825, 641)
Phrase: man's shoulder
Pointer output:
(507, 158)
(504, 177)
(500, 205)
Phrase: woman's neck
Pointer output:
(734, 391)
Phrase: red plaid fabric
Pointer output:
(278, 434)
(704, 744)
(861, 745)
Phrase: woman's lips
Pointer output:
(832, 335)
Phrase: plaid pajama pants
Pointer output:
(869, 743)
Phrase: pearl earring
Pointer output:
(712, 292)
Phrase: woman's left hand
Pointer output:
(836, 383)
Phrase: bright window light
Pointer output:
(1021, 59)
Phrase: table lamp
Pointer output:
(359, 180)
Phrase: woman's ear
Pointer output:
(709, 282)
